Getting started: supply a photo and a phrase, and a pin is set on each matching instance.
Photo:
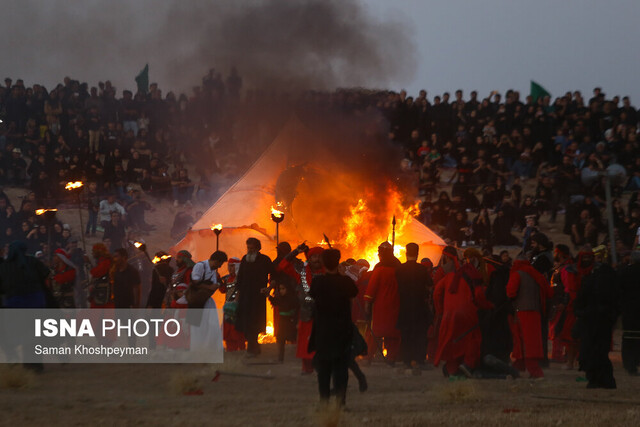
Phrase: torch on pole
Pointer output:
(77, 187)
(393, 232)
(277, 216)
(142, 247)
(217, 229)
(50, 218)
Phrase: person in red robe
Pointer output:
(233, 339)
(457, 298)
(184, 265)
(100, 277)
(572, 279)
(64, 279)
(529, 291)
(179, 303)
(304, 274)
(382, 303)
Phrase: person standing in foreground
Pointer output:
(126, 281)
(253, 278)
(529, 291)
(630, 305)
(205, 333)
(304, 274)
(596, 310)
(414, 282)
(332, 327)
(22, 285)
(382, 304)
(457, 298)
(160, 280)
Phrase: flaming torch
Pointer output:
(157, 259)
(141, 246)
(217, 229)
(77, 187)
(49, 217)
(277, 216)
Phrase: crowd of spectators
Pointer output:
(134, 149)
(498, 148)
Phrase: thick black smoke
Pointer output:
(301, 44)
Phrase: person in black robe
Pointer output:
(332, 331)
(277, 277)
(596, 309)
(160, 280)
(542, 261)
(285, 304)
(253, 279)
(630, 306)
(494, 323)
(414, 317)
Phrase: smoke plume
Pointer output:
(302, 44)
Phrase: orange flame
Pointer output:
(363, 234)
(42, 211)
(216, 227)
(277, 210)
(73, 185)
(268, 337)
(137, 244)
(156, 259)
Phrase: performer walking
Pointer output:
(304, 274)
(630, 305)
(414, 282)
(253, 278)
(457, 298)
(233, 339)
(572, 278)
(382, 303)
(596, 310)
(332, 327)
(529, 290)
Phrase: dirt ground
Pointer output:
(104, 395)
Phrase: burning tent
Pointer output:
(296, 175)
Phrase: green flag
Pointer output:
(142, 80)
(538, 91)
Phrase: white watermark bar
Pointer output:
(105, 335)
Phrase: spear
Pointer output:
(326, 239)
(393, 232)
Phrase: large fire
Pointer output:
(362, 233)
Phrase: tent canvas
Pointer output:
(244, 210)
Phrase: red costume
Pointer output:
(565, 272)
(456, 302)
(181, 341)
(100, 270)
(357, 312)
(64, 280)
(304, 324)
(382, 291)
(529, 291)
(572, 280)
(234, 339)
